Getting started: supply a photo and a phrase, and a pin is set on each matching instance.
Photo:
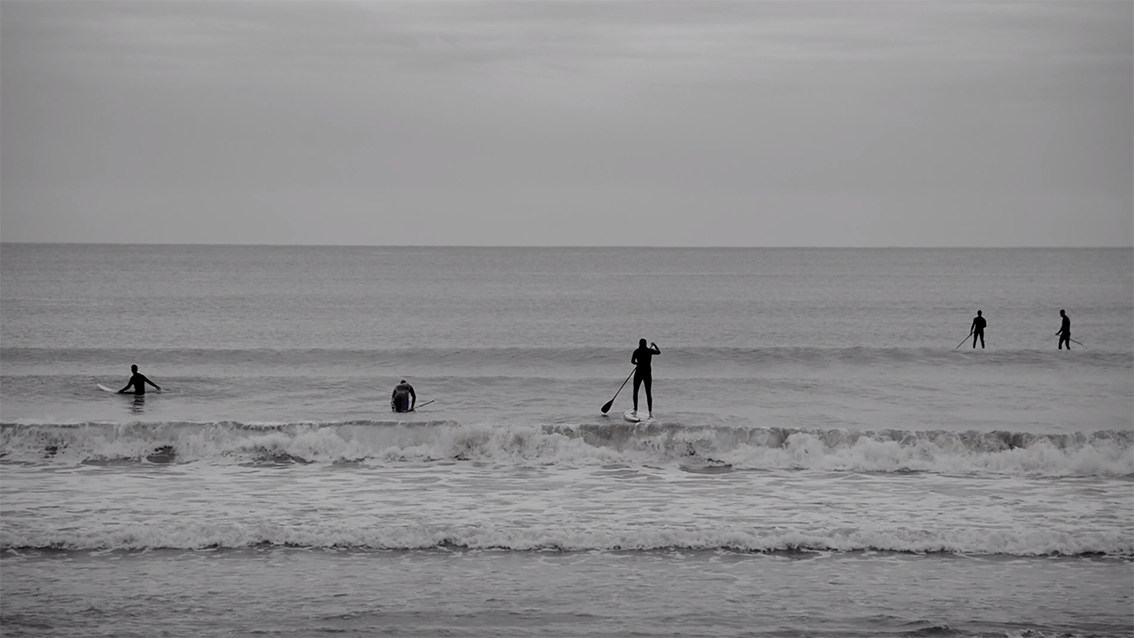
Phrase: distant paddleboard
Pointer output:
(636, 417)
(708, 467)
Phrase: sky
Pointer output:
(568, 123)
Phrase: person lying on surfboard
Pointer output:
(404, 399)
(643, 375)
(139, 381)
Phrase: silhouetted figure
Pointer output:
(404, 399)
(643, 374)
(977, 329)
(139, 381)
(1065, 331)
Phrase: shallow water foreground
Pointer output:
(299, 592)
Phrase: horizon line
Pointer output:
(603, 246)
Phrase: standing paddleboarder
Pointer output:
(1065, 331)
(977, 329)
(643, 374)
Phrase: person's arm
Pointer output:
(655, 348)
(634, 358)
(128, 384)
(413, 396)
(147, 380)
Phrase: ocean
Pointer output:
(824, 459)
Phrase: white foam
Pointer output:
(197, 535)
(1087, 454)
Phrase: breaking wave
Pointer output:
(1104, 453)
(485, 536)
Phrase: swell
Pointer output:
(202, 535)
(265, 359)
(1102, 453)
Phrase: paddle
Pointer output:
(423, 405)
(606, 408)
(963, 341)
(1078, 342)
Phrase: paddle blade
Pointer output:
(606, 407)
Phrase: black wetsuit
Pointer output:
(978, 330)
(139, 381)
(643, 375)
(400, 399)
(1065, 333)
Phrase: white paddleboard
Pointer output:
(105, 389)
(636, 417)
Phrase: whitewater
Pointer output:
(824, 461)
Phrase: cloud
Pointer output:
(492, 120)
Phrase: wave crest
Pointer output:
(1107, 453)
(489, 537)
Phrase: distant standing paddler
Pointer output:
(404, 399)
(643, 373)
(139, 381)
(977, 329)
(1065, 331)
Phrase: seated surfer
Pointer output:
(404, 399)
(643, 375)
(139, 381)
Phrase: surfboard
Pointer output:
(634, 417)
(106, 389)
(707, 467)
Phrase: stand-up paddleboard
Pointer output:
(636, 417)
(707, 467)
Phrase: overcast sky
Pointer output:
(699, 123)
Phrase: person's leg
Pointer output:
(637, 384)
(976, 335)
(649, 382)
(981, 340)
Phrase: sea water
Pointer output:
(823, 461)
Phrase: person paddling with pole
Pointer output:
(977, 330)
(1064, 331)
(643, 374)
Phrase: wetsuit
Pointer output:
(139, 381)
(1065, 333)
(978, 330)
(400, 399)
(643, 375)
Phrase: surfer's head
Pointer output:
(133, 368)
(641, 343)
(978, 313)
